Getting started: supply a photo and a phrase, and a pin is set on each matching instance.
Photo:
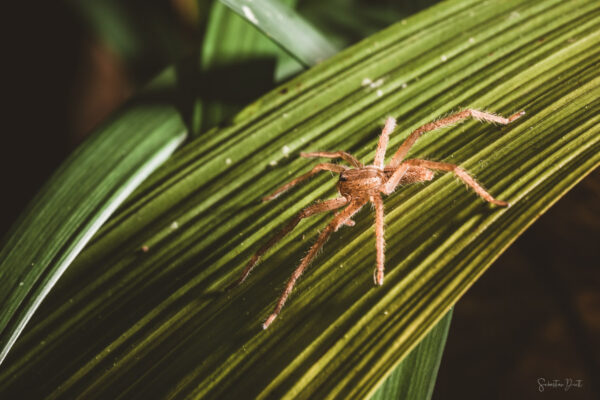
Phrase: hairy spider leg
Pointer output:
(316, 169)
(461, 174)
(339, 220)
(379, 239)
(390, 125)
(349, 158)
(449, 120)
(327, 205)
(391, 184)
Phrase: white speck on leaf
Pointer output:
(174, 225)
(371, 84)
(273, 163)
(228, 161)
(249, 14)
(285, 150)
(404, 85)
(379, 93)
(377, 83)
(444, 58)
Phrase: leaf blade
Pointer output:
(73, 205)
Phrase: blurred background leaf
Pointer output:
(345, 22)
(146, 34)
(415, 376)
(286, 27)
(238, 64)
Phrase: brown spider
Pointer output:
(362, 184)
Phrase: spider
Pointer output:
(366, 183)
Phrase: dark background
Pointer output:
(534, 314)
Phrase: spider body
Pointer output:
(362, 184)
(369, 180)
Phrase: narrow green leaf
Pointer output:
(230, 39)
(283, 25)
(133, 324)
(75, 202)
(238, 64)
(415, 376)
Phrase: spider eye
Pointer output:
(343, 178)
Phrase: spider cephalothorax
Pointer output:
(362, 184)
